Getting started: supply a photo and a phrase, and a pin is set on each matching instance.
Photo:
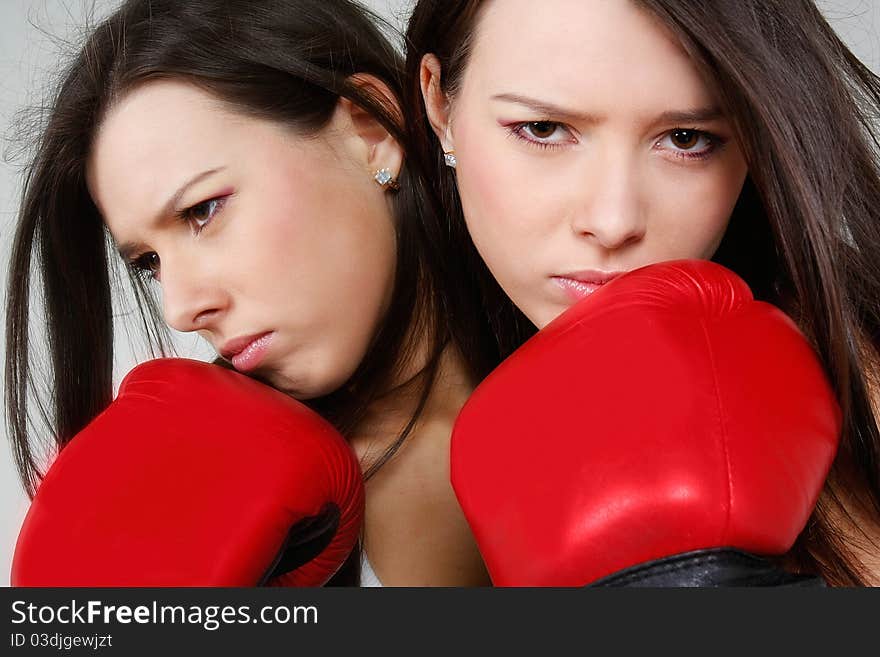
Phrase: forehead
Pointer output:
(577, 45)
(159, 121)
(164, 133)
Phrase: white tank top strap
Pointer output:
(368, 575)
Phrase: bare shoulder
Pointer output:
(415, 532)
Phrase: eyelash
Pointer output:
(138, 263)
(520, 131)
(714, 143)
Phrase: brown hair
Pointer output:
(805, 233)
(287, 61)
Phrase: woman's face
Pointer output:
(587, 145)
(249, 229)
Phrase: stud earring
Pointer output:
(385, 179)
(449, 158)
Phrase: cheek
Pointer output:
(501, 220)
(270, 245)
(352, 293)
(690, 217)
(327, 288)
(481, 179)
(303, 226)
(506, 207)
(337, 260)
(340, 260)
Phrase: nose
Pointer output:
(609, 211)
(193, 297)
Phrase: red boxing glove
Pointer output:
(668, 412)
(194, 476)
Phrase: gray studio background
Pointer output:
(33, 34)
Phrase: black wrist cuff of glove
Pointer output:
(708, 568)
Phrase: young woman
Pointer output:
(591, 138)
(246, 161)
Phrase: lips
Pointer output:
(591, 276)
(580, 284)
(237, 345)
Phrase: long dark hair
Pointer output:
(284, 60)
(805, 233)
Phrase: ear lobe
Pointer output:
(382, 149)
(436, 103)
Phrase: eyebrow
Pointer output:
(699, 115)
(128, 248)
(549, 109)
(696, 115)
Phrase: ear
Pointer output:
(377, 147)
(436, 102)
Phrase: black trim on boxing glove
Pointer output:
(708, 568)
(305, 541)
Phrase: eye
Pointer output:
(689, 143)
(146, 265)
(547, 134)
(541, 129)
(202, 213)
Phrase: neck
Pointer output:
(389, 415)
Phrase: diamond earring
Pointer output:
(449, 158)
(385, 179)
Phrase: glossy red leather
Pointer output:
(666, 412)
(191, 477)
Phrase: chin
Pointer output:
(310, 384)
(298, 387)
(540, 318)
